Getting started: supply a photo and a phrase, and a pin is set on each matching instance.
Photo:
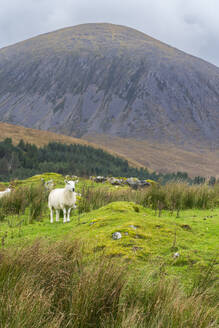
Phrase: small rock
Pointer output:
(116, 235)
(186, 227)
(92, 223)
(115, 181)
(176, 255)
(136, 248)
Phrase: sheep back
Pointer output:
(61, 198)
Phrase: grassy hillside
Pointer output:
(75, 275)
(146, 237)
(37, 137)
(195, 159)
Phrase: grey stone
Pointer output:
(116, 235)
(133, 227)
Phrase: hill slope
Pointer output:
(163, 157)
(42, 138)
(155, 156)
(111, 79)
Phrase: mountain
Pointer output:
(109, 79)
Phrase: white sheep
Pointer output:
(49, 185)
(5, 192)
(62, 199)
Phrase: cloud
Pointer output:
(190, 25)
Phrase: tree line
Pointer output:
(25, 160)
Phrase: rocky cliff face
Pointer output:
(104, 78)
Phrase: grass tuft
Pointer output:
(57, 286)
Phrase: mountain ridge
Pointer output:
(109, 79)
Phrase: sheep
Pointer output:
(49, 185)
(62, 199)
(5, 192)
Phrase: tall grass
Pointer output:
(56, 286)
(172, 196)
(180, 196)
(31, 197)
(37, 201)
(93, 198)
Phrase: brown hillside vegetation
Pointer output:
(41, 138)
(33, 136)
(164, 157)
(155, 156)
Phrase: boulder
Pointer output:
(135, 183)
(115, 181)
(98, 179)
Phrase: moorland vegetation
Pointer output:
(75, 275)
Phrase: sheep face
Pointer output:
(70, 185)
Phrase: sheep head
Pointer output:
(70, 185)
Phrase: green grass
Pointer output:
(75, 275)
(147, 239)
(154, 240)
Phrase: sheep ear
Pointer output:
(66, 181)
(76, 181)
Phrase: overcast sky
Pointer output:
(189, 25)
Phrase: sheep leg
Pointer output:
(51, 216)
(68, 216)
(64, 215)
(57, 215)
